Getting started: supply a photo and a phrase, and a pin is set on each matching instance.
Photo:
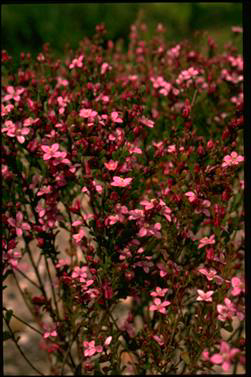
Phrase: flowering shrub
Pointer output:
(138, 157)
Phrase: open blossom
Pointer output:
(238, 286)
(232, 159)
(50, 151)
(191, 196)
(104, 67)
(52, 333)
(87, 113)
(226, 311)
(77, 62)
(78, 237)
(91, 349)
(204, 296)
(211, 274)
(159, 292)
(206, 241)
(159, 306)
(159, 339)
(111, 165)
(13, 93)
(121, 182)
(115, 117)
(19, 224)
(225, 356)
(147, 122)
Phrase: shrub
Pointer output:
(137, 156)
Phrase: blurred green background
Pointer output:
(26, 27)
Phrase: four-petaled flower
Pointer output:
(121, 182)
(238, 286)
(50, 333)
(226, 311)
(160, 306)
(91, 349)
(50, 151)
(19, 224)
(115, 117)
(206, 241)
(191, 196)
(87, 113)
(225, 356)
(204, 296)
(159, 292)
(111, 165)
(232, 159)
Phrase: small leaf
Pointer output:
(8, 315)
(6, 335)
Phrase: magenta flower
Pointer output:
(115, 117)
(238, 286)
(19, 224)
(225, 356)
(50, 152)
(232, 159)
(204, 296)
(206, 241)
(159, 306)
(121, 182)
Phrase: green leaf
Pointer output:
(6, 335)
(8, 315)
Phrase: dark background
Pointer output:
(26, 27)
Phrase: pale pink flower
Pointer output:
(105, 67)
(87, 113)
(162, 268)
(237, 29)
(77, 62)
(111, 165)
(147, 204)
(159, 292)
(115, 117)
(19, 224)
(52, 333)
(91, 349)
(226, 311)
(159, 339)
(13, 93)
(98, 187)
(204, 296)
(44, 190)
(79, 236)
(136, 214)
(121, 182)
(206, 241)
(210, 274)
(238, 286)
(225, 356)
(233, 159)
(191, 196)
(79, 272)
(50, 151)
(108, 341)
(63, 262)
(147, 122)
(159, 306)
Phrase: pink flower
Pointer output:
(159, 292)
(105, 67)
(111, 165)
(108, 341)
(147, 204)
(159, 306)
(77, 62)
(13, 94)
(210, 274)
(238, 286)
(78, 237)
(225, 356)
(159, 339)
(19, 224)
(226, 311)
(191, 196)
(171, 149)
(50, 333)
(91, 349)
(115, 117)
(50, 152)
(204, 296)
(206, 241)
(87, 113)
(147, 122)
(121, 182)
(232, 159)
